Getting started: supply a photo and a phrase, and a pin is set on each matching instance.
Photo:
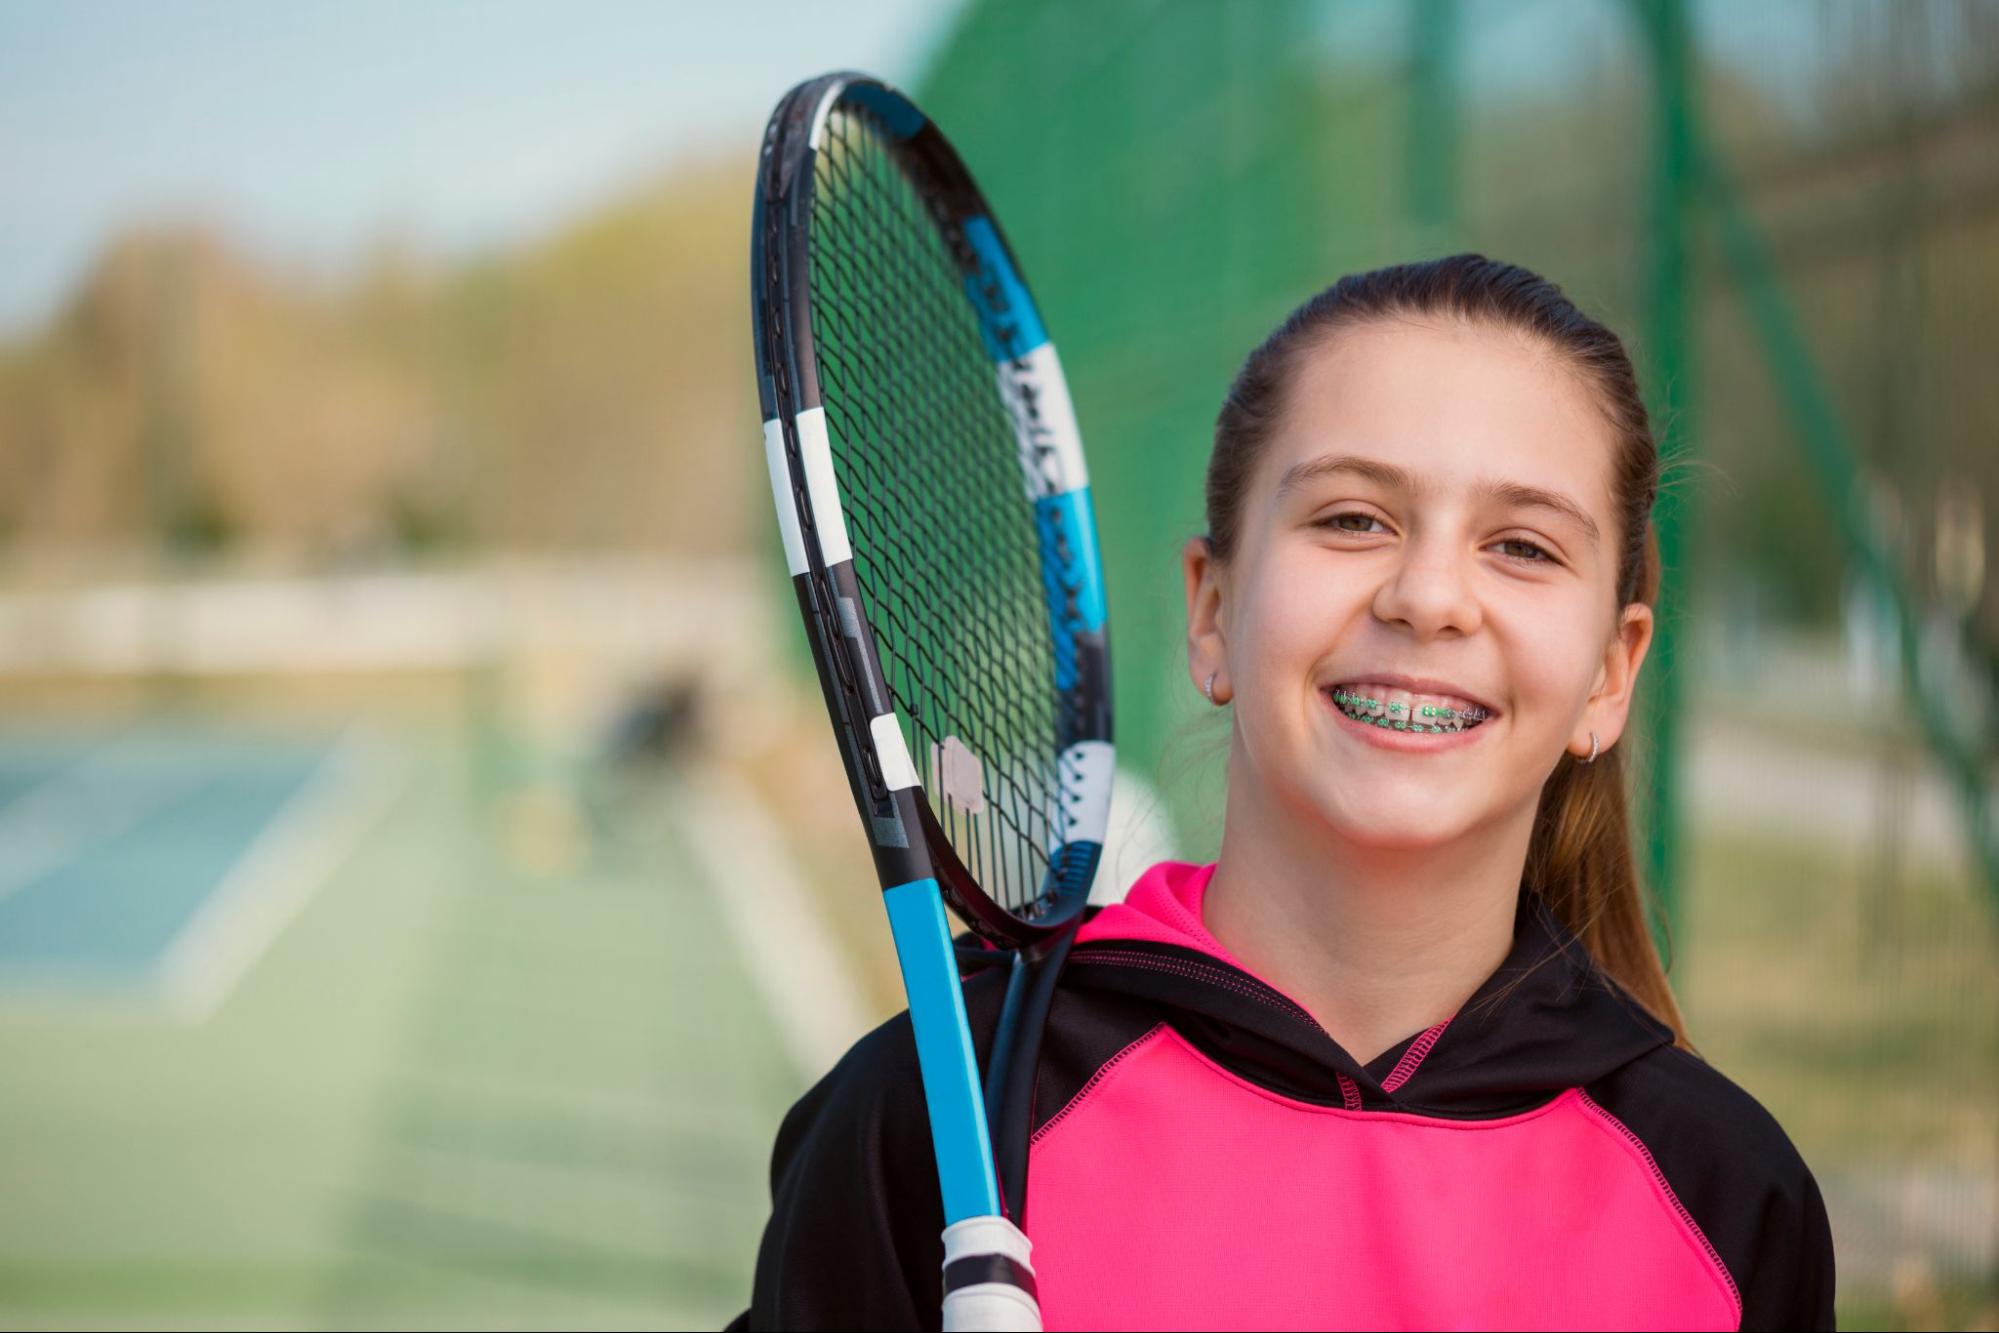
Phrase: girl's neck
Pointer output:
(1376, 944)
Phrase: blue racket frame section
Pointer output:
(951, 1082)
(1012, 329)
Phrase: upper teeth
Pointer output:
(1407, 711)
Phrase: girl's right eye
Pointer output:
(1335, 523)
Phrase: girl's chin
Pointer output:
(1394, 835)
(1426, 815)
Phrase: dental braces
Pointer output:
(1470, 716)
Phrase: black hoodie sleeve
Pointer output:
(854, 1235)
(1798, 1293)
(1735, 1171)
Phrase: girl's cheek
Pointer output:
(1301, 626)
(1314, 604)
(1556, 677)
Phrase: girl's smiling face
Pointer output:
(1434, 505)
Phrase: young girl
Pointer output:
(1404, 1056)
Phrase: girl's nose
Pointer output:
(1430, 591)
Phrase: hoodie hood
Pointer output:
(1547, 1019)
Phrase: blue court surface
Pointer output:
(111, 844)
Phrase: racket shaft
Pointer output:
(951, 1084)
(989, 1283)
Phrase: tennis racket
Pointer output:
(936, 520)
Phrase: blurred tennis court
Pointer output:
(416, 1021)
(148, 864)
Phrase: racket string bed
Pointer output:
(1026, 620)
(951, 455)
(923, 430)
(912, 659)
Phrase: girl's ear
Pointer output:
(1617, 682)
(1207, 617)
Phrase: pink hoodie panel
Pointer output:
(1288, 1214)
(1164, 906)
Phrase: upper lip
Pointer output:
(1416, 685)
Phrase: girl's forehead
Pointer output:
(1453, 405)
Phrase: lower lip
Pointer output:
(1409, 742)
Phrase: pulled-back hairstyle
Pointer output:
(1579, 859)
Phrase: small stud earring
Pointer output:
(1209, 688)
(1592, 749)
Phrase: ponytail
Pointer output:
(1580, 861)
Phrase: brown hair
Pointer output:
(1580, 857)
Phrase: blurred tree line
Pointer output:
(587, 391)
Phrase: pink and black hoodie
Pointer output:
(1206, 1156)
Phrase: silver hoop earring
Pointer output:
(1209, 688)
(1592, 749)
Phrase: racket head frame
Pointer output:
(905, 836)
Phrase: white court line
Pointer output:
(86, 804)
(296, 852)
(775, 920)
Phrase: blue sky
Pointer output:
(310, 130)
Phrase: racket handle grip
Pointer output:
(988, 1280)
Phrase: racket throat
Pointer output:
(1015, 1061)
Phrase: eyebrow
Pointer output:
(1391, 477)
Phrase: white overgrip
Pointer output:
(998, 1306)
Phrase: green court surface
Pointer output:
(498, 1068)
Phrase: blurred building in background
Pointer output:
(393, 665)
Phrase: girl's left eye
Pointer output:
(1538, 557)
